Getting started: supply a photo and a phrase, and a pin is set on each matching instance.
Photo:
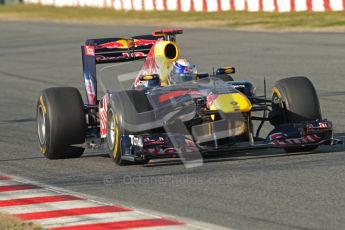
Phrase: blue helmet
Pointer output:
(182, 71)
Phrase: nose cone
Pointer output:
(230, 103)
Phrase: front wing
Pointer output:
(159, 145)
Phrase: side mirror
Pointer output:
(224, 73)
(148, 77)
(225, 70)
(150, 80)
(202, 76)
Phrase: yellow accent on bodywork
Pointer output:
(124, 42)
(164, 63)
(276, 91)
(147, 77)
(229, 103)
(43, 106)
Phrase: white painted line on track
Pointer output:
(20, 209)
(20, 194)
(9, 182)
(92, 219)
(177, 227)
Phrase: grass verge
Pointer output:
(330, 21)
(8, 222)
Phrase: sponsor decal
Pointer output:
(316, 127)
(210, 99)
(112, 45)
(144, 83)
(178, 93)
(154, 140)
(186, 70)
(155, 151)
(323, 125)
(136, 141)
(140, 42)
(280, 139)
(100, 58)
(103, 108)
(89, 50)
(125, 44)
(170, 151)
(275, 136)
(90, 90)
(239, 86)
(134, 55)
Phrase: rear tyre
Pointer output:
(60, 122)
(295, 100)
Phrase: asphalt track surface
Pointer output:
(258, 190)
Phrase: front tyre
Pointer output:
(60, 122)
(114, 134)
(295, 100)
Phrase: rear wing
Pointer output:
(109, 50)
(112, 50)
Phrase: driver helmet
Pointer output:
(182, 71)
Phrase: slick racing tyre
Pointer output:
(295, 100)
(60, 122)
(114, 134)
(136, 103)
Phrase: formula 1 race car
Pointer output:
(154, 119)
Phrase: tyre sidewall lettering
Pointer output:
(116, 133)
(44, 147)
